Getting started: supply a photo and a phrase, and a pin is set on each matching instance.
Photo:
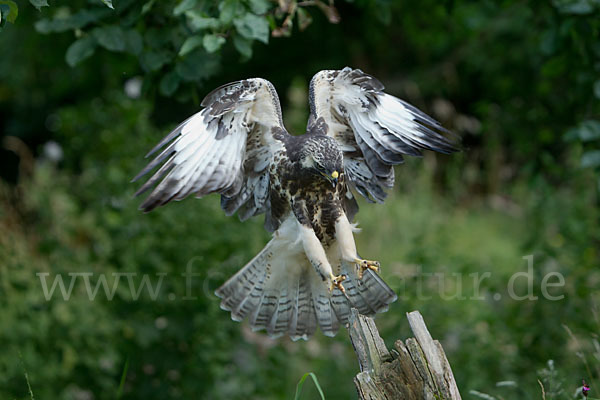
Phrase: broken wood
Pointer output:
(416, 369)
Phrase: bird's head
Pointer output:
(322, 157)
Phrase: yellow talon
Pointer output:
(336, 282)
(363, 265)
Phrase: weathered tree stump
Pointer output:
(416, 369)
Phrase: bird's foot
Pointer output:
(336, 282)
(363, 265)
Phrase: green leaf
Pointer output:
(597, 89)
(301, 383)
(253, 27)
(71, 22)
(147, 6)
(198, 21)
(184, 6)
(213, 43)
(229, 9)
(243, 46)
(39, 4)
(260, 6)
(80, 49)
(158, 38)
(191, 43)
(169, 84)
(579, 7)
(45, 26)
(198, 65)
(108, 3)
(590, 159)
(133, 42)
(154, 60)
(586, 131)
(13, 10)
(110, 37)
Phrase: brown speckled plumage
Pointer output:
(310, 197)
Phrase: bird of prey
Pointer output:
(310, 273)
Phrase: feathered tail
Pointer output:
(279, 291)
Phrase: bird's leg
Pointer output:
(316, 255)
(345, 238)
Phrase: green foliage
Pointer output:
(517, 80)
(39, 4)
(108, 3)
(80, 50)
(553, 385)
(588, 133)
(190, 44)
(163, 36)
(136, 29)
(251, 27)
(95, 245)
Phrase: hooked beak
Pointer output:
(334, 178)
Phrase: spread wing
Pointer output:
(374, 129)
(225, 148)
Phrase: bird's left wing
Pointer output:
(373, 128)
(225, 148)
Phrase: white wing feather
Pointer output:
(207, 152)
(374, 129)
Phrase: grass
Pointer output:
(301, 384)
(26, 376)
(123, 377)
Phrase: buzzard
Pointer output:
(310, 273)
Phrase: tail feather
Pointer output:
(279, 291)
(311, 323)
(265, 310)
(355, 297)
(306, 323)
(251, 301)
(340, 305)
(280, 319)
(326, 316)
(241, 293)
(302, 308)
(376, 292)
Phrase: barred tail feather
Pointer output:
(280, 292)
(328, 320)
(369, 295)
(244, 291)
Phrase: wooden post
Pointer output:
(416, 369)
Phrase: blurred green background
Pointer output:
(87, 88)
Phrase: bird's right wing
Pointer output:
(225, 148)
(373, 129)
